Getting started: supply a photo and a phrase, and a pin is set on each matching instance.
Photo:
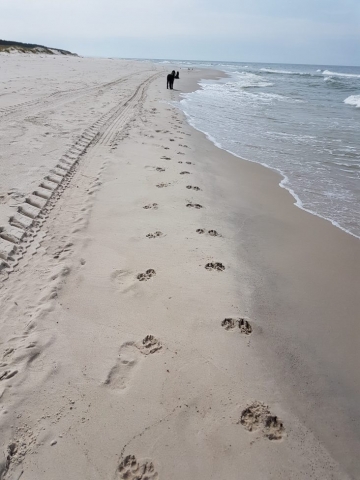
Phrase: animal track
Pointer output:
(180, 161)
(165, 158)
(215, 266)
(190, 187)
(149, 345)
(189, 163)
(166, 148)
(172, 140)
(162, 185)
(154, 206)
(180, 153)
(143, 277)
(241, 323)
(194, 205)
(154, 235)
(257, 416)
(131, 469)
(185, 173)
(160, 169)
(212, 233)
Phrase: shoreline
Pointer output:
(120, 339)
(282, 184)
(335, 246)
(284, 178)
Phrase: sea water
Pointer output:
(301, 120)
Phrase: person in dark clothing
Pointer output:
(170, 80)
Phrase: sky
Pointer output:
(325, 32)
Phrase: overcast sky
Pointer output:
(288, 31)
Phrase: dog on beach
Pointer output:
(170, 80)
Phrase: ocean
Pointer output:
(301, 120)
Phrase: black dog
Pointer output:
(170, 80)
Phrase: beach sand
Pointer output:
(170, 313)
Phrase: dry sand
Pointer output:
(146, 327)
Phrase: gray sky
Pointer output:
(289, 31)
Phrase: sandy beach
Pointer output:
(166, 312)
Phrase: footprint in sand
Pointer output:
(190, 187)
(154, 206)
(143, 277)
(162, 185)
(160, 169)
(237, 323)
(119, 375)
(131, 469)
(184, 173)
(215, 266)
(166, 148)
(180, 161)
(257, 417)
(129, 356)
(194, 205)
(165, 158)
(189, 163)
(154, 235)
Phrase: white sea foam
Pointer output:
(239, 89)
(247, 80)
(339, 74)
(283, 72)
(353, 100)
(271, 70)
(276, 96)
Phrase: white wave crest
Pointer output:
(353, 100)
(270, 70)
(246, 80)
(283, 72)
(339, 74)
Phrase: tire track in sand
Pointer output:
(22, 231)
(57, 98)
